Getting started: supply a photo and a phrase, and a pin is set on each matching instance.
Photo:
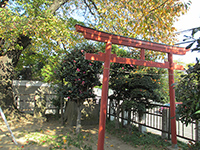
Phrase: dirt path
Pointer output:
(44, 136)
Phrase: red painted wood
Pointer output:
(95, 57)
(178, 67)
(107, 58)
(142, 54)
(104, 97)
(115, 59)
(100, 36)
(172, 100)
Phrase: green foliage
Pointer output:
(134, 137)
(50, 34)
(193, 146)
(188, 92)
(38, 138)
(149, 20)
(49, 25)
(52, 31)
(30, 66)
(48, 71)
(79, 75)
(137, 86)
(191, 39)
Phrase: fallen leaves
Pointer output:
(64, 141)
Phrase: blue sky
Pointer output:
(187, 21)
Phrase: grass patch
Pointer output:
(134, 137)
(61, 141)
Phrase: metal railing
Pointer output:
(153, 120)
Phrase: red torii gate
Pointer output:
(107, 57)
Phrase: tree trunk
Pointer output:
(142, 118)
(122, 118)
(78, 122)
(89, 113)
(70, 114)
(40, 106)
(61, 105)
(129, 116)
(6, 77)
(7, 64)
(117, 116)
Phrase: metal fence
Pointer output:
(156, 122)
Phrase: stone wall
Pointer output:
(26, 92)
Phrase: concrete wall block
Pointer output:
(165, 123)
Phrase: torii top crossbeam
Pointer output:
(101, 36)
(107, 57)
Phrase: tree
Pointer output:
(47, 27)
(188, 92)
(48, 71)
(191, 39)
(30, 66)
(80, 76)
(188, 88)
(28, 27)
(136, 86)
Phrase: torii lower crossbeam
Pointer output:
(114, 59)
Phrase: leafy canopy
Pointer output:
(188, 88)
(188, 92)
(137, 86)
(149, 20)
(80, 75)
(52, 33)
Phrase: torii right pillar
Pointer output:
(172, 100)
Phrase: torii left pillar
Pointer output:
(103, 108)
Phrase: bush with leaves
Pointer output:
(79, 75)
(136, 86)
(188, 92)
(52, 73)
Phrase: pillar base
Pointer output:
(174, 147)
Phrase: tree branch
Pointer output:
(1, 46)
(88, 7)
(3, 3)
(56, 5)
(158, 6)
(14, 54)
(150, 11)
(95, 7)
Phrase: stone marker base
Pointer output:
(174, 148)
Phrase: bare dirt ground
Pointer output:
(34, 135)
